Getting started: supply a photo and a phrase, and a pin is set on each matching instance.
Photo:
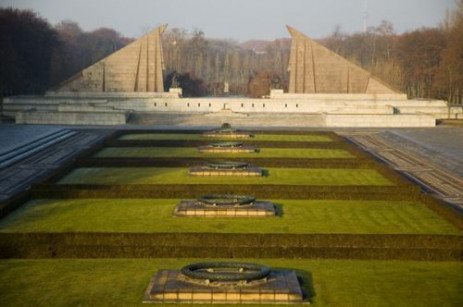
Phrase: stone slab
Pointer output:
(215, 149)
(374, 120)
(250, 171)
(193, 208)
(171, 286)
(234, 135)
(14, 136)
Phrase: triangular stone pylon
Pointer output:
(138, 67)
(316, 69)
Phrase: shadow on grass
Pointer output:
(305, 281)
(265, 173)
(278, 210)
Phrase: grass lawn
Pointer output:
(155, 215)
(192, 152)
(199, 137)
(179, 175)
(122, 282)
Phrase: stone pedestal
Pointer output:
(171, 286)
(195, 208)
(250, 171)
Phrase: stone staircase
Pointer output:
(31, 162)
(25, 150)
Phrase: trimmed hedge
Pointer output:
(13, 203)
(195, 190)
(446, 211)
(209, 245)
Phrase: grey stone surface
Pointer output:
(194, 208)
(171, 286)
(14, 136)
(35, 164)
(431, 169)
(316, 69)
(443, 145)
(72, 118)
(135, 68)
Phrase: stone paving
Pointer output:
(13, 136)
(443, 145)
(19, 176)
(170, 286)
(428, 171)
(194, 208)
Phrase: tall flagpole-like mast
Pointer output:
(365, 15)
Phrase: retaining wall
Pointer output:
(71, 118)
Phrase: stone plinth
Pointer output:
(249, 171)
(192, 207)
(218, 148)
(171, 286)
(227, 135)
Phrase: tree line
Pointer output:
(35, 55)
(426, 63)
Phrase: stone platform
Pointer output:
(232, 149)
(250, 171)
(281, 109)
(192, 207)
(225, 135)
(171, 286)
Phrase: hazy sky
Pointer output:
(240, 19)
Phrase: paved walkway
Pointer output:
(13, 136)
(35, 165)
(441, 145)
(414, 163)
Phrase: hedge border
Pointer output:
(211, 245)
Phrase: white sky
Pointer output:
(239, 19)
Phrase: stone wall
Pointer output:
(71, 118)
(347, 109)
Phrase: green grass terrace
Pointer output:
(191, 152)
(179, 175)
(122, 282)
(155, 215)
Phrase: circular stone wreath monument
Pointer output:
(227, 147)
(217, 205)
(226, 168)
(226, 131)
(225, 282)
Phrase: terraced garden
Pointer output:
(147, 215)
(189, 152)
(99, 282)
(333, 202)
(175, 175)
